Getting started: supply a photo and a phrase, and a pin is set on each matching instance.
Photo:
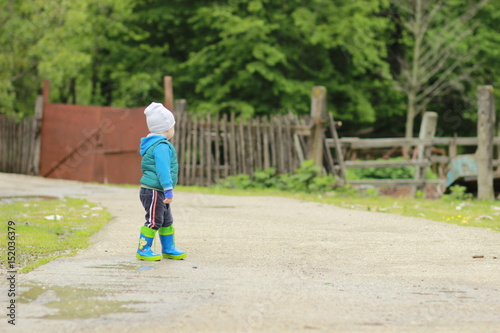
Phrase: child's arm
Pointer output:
(162, 155)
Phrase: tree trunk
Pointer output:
(410, 119)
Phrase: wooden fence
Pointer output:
(485, 143)
(212, 148)
(19, 145)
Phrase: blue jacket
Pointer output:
(159, 164)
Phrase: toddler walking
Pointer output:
(159, 176)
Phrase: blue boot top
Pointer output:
(169, 250)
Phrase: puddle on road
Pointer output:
(122, 266)
(116, 266)
(144, 268)
(12, 198)
(75, 303)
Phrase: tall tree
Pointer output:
(259, 57)
(436, 63)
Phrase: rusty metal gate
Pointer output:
(92, 143)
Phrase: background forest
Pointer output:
(383, 62)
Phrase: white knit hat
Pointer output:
(159, 118)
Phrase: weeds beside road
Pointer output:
(48, 229)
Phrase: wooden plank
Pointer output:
(318, 116)
(329, 161)
(259, 150)
(273, 143)
(250, 154)
(217, 144)
(208, 150)
(298, 148)
(338, 148)
(7, 145)
(232, 146)
(13, 147)
(25, 145)
(292, 159)
(178, 142)
(185, 145)
(3, 140)
(225, 137)
(427, 131)
(385, 164)
(439, 159)
(265, 140)
(392, 182)
(279, 146)
(357, 143)
(242, 167)
(188, 151)
(168, 92)
(194, 152)
(201, 152)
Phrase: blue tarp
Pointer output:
(462, 166)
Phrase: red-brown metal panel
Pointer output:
(123, 129)
(68, 138)
(91, 143)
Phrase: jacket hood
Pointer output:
(149, 141)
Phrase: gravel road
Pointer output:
(260, 264)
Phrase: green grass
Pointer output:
(39, 240)
(471, 212)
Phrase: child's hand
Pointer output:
(169, 196)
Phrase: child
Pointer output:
(160, 169)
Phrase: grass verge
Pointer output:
(471, 212)
(48, 229)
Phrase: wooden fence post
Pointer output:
(427, 131)
(485, 134)
(169, 93)
(180, 105)
(46, 92)
(318, 119)
(338, 152)
(37, 120)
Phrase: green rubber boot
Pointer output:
(144, 252)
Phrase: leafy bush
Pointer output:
(240, 182)
(305, 179)
(457, 192)
(405, 172)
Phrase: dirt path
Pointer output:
(261, 264)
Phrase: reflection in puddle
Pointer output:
(73, 303)
(144, 268)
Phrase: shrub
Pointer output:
(457, 192)
(404, 172)
(305, 179)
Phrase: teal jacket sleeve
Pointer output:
(162, 154)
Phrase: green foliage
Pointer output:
(251, 57)
(305, 179)
(347, 191)
(457, 192)
(41, 239)
(405, 172)
(371, 192)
